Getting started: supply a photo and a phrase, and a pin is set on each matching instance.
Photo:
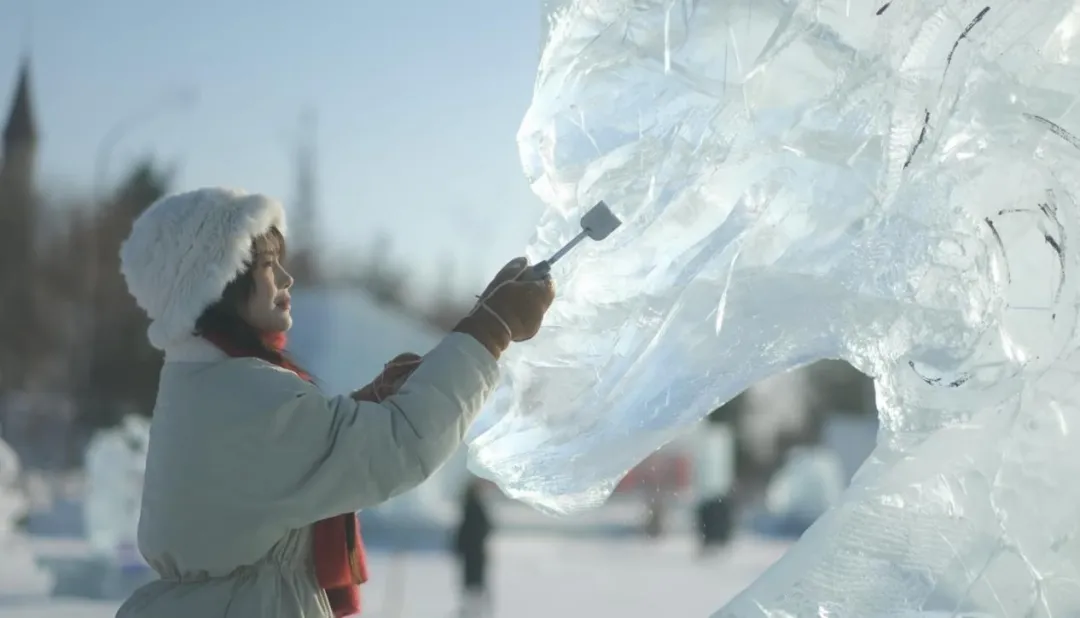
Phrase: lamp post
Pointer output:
(175, 100)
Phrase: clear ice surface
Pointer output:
(891, 183)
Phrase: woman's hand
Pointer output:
(509, 310)
(390, 380)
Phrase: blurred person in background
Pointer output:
(253, 476)
(470, 548)
(714, 481)
(651, 485)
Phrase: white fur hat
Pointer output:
(185, 248)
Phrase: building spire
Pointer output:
(20, 127)
(304, 212)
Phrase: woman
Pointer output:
(253, 476)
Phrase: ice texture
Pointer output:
(894, 184)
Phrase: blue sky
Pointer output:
(418, 104)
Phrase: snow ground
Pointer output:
(534, 576)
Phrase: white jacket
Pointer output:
(244, 457)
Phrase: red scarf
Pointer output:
(340, 561)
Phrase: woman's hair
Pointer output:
(221, 322)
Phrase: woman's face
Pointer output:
(268, 307)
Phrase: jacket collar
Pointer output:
(193, 350)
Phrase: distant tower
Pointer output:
(18, 233)
(20, 139)
(303, 219)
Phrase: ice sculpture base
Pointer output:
(20, 573)
(99, 576)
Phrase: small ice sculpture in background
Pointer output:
(895, 184)
(115, 465)
(20, 573)
(13, 503)
(808, 484)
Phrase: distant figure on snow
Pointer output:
(253, 474)
(714, 479)
(470, 547)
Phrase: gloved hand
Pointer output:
(509, 310)
(390, 380)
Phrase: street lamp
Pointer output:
(174, 100)
(179, 99)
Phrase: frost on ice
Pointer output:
(892, 184)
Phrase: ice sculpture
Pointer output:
(115, 466)
(19, 571)
(892, 184)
